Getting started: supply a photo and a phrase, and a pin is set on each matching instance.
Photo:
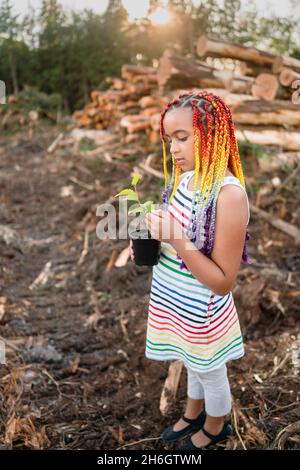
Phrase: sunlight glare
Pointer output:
(160, 16)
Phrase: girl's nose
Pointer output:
(172, 147)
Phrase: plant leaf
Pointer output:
(131, 195)
(136, 210)
(148, 205)
(135, 179)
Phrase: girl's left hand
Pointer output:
(163, 226)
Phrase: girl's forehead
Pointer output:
(181, 118)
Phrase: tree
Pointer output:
(9, 29)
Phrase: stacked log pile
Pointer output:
(25, 109)
(259, 87)
(129, 101)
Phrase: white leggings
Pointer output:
(211, 386)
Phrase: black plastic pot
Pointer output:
(146, 249)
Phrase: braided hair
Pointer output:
(212, 119)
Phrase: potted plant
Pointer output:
(146, 249)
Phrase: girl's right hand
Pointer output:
(131, 251)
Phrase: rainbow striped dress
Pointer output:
(187, 320)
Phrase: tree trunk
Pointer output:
(13, 72)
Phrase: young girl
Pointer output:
(203, 233)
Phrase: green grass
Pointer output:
(87, 144)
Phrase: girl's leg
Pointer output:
(216, 391)
(195, 399)
(217, 403)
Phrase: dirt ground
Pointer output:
(76, 376)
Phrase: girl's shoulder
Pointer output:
(233, 192)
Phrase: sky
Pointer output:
(138, 8)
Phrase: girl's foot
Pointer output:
(199, 439)
(192, 425)
(192, 411)
(203, 439)
(181, 424)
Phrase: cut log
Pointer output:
(241, 84)
(287, 76)
(252, 70)
(117, 84)
(265, 86)
(150, 111)
(230, 98)
(287, 140)
(256, 106)
(261, 112)
(288, 118)
(147, 80)
(128, 71)
(216, 48)
(175, 71)
(285, 61)
(155, 121)
(135, 123)
(255, 112)
(149, 101)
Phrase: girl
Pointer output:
(203, 233)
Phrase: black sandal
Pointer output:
(169, 435)
(226, 432)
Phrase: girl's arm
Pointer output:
(219, 272)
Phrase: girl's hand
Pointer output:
(163, 226)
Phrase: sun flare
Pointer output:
(160, 16)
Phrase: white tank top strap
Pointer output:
(186, 179)
(226, 180)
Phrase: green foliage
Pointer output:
(248, 149)
(71, 54)
(87, 144)
(132, 195)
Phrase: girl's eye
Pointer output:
(183, 139)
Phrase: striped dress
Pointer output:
(187, 320)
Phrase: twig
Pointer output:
(85, 248)
(44, 371)
(137, 442)
(236, 428)
(285, 227)
(42, 277)
(280, 365)
(287, 180)
(54, 144)
(89, 187)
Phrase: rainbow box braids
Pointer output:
(212, 120)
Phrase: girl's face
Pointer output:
(178, 128)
